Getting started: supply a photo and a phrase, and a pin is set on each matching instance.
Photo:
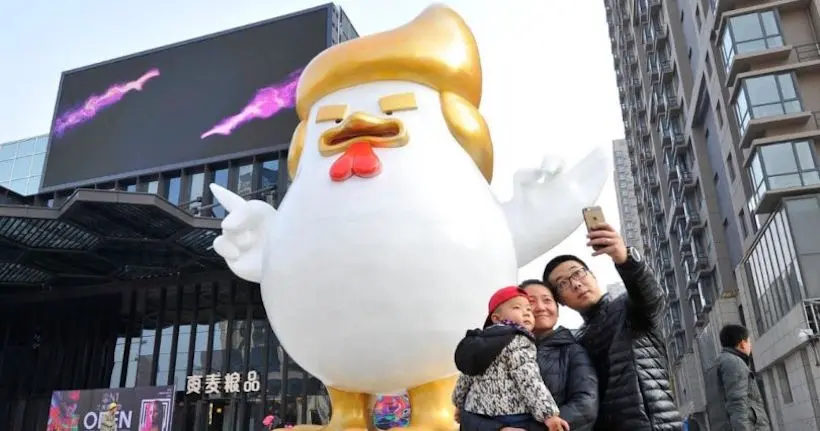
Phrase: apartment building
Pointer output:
(625, 195)
(720, 101)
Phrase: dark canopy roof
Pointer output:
(101, 236)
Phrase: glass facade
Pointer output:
(749, 33)
(257, 177)
(157, 335)
(766, 96)
(21, 164)
(782, 165)
(773, 272)
(804, 218)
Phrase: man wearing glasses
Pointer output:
(623, 335)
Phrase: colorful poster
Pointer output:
(137, 409)
(391, 411)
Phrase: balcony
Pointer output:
(679, 228)
(676, 202)
(699, 307)
(666, 67)
(782, 170)
(687, 180)
(652, 181)
(642, 14)
(772, 109)
(691, 273)
(660, 103)
(670, 96)
(804, 57)
(669, 164)
(693, 222)
(647, 37)
(635, 82)
(671, 292)
(639, 105)
(671, 137)
(652, 70)
(706, 289)
(700, 260)
(654, 5)
(642, 129)
(659, 30)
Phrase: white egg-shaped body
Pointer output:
(369, 284)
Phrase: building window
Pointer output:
(221, 178)
(785, 385)
(173, 190)
(783, 165)
(195, 191)
(773, 273)
(766, 96)
(750, 33)
(730, 167)
(245, 184)
(21, 164)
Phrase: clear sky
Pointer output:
(548, 76)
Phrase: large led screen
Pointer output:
(197, 101)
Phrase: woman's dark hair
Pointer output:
(532, 282)
(524, 284)
(732, 335)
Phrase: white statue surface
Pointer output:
(389, 241)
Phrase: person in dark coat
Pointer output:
(565, 368)
(734, 401)
(623, 335)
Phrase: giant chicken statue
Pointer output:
(389, 241)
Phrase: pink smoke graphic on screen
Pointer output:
(266, 103)
(96, 103)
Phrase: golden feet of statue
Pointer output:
(431, 408)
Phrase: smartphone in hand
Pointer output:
(593, 216)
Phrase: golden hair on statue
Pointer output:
(436, 49)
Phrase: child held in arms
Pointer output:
(500, 377)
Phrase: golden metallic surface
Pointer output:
(331, 113)
(350, 412)
(436, 49)
(431, 407)
(398, 102)
(379, 132)
(468, 127)
(297, 144)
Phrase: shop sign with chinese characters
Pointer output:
(217, 384)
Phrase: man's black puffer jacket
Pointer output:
(624, 338)
(570, 377)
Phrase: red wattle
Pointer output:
(359, 159)
(342, 168)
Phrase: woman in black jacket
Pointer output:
(565, 368)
